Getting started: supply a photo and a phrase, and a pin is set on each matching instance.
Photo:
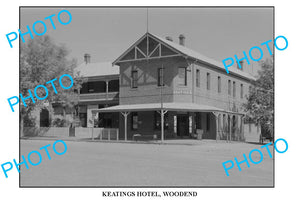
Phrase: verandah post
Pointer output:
(125, 114)
(162, 124)
(93, 121)
(230, 121)
(216, 114)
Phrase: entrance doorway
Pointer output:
(182, 125)
(44, 118)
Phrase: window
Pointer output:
(83, 119)
(182, 75)
(197, 78)
(82, 111)
(241, 124)
(160, 77)
(157, 121)
(207, 121)
(228, 123)
(242, 91)
(234, 89)
(208, 81)
(234, 124)
(134, 121)
(229, 87)
(219, 84)
(134, 78)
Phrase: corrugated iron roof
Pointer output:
(106, 68)
(97, 69)
(193, 54)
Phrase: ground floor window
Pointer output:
(82, 112)
(58, 110)
(134, 120)
(233, 124)
(83, 119)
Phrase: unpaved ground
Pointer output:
(118, 164)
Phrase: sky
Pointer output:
(105, 33)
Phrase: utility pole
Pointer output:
(161, 83)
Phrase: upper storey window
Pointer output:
(219, 84)
(197, 78)
(229, 87)
(234, 89)
(182, 76)
(134, 79)
(208, 81)
(242, 91)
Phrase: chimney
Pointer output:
(181, 39)
(169, 38)
(241, 63)
(87, 58)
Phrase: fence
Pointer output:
(78, 132)
(106, 134)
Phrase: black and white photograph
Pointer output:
(146, 96)
(149, 106)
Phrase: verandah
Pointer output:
(226, 130)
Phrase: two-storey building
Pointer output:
(100, 89)
(168, 90)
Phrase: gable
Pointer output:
(150, 46)
(147, 47)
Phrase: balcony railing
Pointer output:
(109, 96)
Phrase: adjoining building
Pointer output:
(168, 91)
(100, 89)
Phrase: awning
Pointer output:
(173, 106)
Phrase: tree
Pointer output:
(260, 102)
(41, 60)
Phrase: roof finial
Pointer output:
(147, 21)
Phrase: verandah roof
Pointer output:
(173, 106)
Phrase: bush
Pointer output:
(59, 122)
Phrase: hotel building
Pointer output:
(168, 91)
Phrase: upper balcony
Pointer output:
(107, 90)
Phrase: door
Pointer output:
(182, 125)
(44, 118)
